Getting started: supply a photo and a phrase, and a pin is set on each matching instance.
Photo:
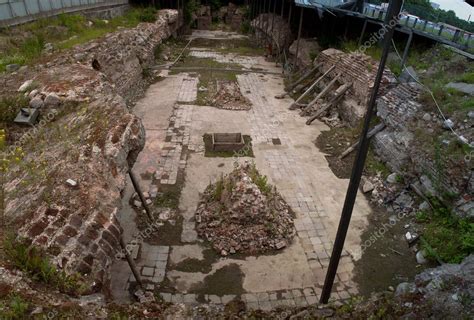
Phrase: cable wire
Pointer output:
(460, 138)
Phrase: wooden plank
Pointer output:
(339, 94)
(311, 88)
(303, 78)
(322, 93)
(371, 133)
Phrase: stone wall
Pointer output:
(306, 48)
(359, 70)
(402, 147)
(87, 135)
(280, 33)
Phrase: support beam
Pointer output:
(407, 49)
(303, 78)
(321, 94)
(392, 14)
(339, 95)
(299, 36)
(138, 190)
(315, 83)
(289, 13)
(371, 133)
(362, 33)
(131, 263)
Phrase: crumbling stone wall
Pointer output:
(355, 68)
(91, 139)
(306, 48)
(358, 70)
(401, 147)
(280, 34)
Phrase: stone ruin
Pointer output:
(70, 210)
(269, 26)
(358, 70)
(240, 213)
(204, 18)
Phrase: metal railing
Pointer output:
(436, 29)
(19, 11)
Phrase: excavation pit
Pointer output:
(227, 141)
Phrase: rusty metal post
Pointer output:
(358, 167)
(131, 264)
(289, 14)
(363, 31)
(136, 186)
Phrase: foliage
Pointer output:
(14, 307)
(9, 107)
(448, 237)
(34, 262)
(147, 14)
(190, 8)
(219, 189)
(168, 199)
(63, 31)
(260, 180)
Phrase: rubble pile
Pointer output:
(65, 193)
(229, 96)
(400, 146)
(238, 216)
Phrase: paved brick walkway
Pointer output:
(246, 62)
(188, 91)
(311, 216)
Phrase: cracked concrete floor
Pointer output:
(292, 276)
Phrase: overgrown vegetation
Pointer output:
(14, 307)
(26, 43)
(260, 180)
(10, 106)
(35, 263)
(447, 236)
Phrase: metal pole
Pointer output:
(131, 264)
(289, 14)
(299, 35)
(267, 10)
(273, 21)
(392, 13)
(407, 48)
(136, 186)
(362, 33)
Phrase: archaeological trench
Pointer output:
(240, 167)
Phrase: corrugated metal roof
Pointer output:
(321, 3)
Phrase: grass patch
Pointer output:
(169, 198)
(468, 77)
(260, 180)
(448, 237)
(243, 47)
(246, 150)
(63, 31)
(10, 106)
(14, 307)
(34, 262)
